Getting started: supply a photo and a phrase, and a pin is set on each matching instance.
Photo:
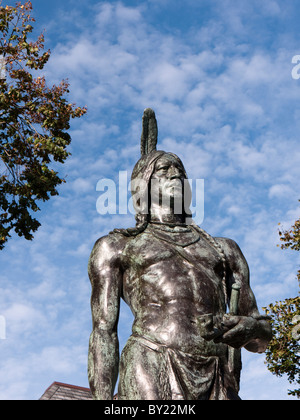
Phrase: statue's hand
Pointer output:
(237, 330)
(210, 326)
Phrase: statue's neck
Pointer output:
(166, 216)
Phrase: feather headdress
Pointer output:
(149, 132)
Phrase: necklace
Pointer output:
(167, 224)
(179, 235)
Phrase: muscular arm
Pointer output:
(105, 274)
(249, 329)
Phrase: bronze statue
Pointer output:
(178, 281)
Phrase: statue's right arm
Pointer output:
(105, 273)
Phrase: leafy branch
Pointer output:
(34, 124)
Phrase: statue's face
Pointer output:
(167, 181)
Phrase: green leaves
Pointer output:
(283, 352)
(291, 238)
(34, 120)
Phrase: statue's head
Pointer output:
(157, 175)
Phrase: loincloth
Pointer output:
(184, 376)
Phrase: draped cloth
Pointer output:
(152, 371)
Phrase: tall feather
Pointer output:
(149, 132)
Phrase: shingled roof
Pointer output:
(60, 391)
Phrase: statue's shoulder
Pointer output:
(228, 245)
(233, 254)
(108, 248)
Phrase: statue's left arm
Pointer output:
(248, 328)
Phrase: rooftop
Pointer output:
(61, 391)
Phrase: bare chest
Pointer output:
(162, 270)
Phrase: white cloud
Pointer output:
(257, 383)
(271, 8)
(20, 317)
(18, 370)
(60, 360)
(280, 191)
(81, 185)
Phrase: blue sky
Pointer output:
(218, 75)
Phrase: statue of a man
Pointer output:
(178, 281)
